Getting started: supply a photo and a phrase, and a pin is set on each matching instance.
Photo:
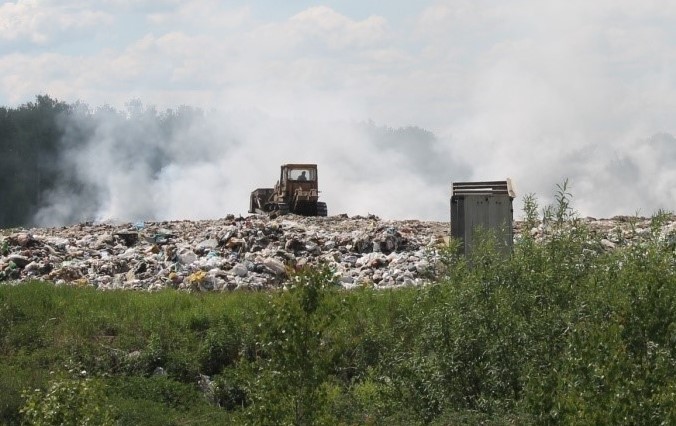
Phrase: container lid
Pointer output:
(494, 187)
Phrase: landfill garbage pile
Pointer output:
(256, 252)
(614, 233)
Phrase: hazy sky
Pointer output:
(535, 90)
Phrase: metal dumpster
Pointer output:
(482, 205)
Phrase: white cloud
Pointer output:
(31, 21)
(206, 16)
(336, 30)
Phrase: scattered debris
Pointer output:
(257, 252)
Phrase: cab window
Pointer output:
(301, 174)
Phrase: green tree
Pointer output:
(30, 137)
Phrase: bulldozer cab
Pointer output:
(297, 177)
(299, 173)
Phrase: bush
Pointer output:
(68, 402)
(293, 366)
(220, 347)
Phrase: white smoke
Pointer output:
(132, 168)
(128, 169)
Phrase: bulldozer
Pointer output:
(296, 192)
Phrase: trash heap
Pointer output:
(256, 252)
(613, 233)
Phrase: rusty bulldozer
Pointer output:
(297, 192)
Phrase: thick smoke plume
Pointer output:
(188, 164)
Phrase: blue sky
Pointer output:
(538, 91)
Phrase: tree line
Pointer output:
(37, 138)
(29, 143)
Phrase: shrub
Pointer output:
(220, 347)
(68, 401)
(288, 382)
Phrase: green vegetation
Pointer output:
(29, 141)
(561, 332)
